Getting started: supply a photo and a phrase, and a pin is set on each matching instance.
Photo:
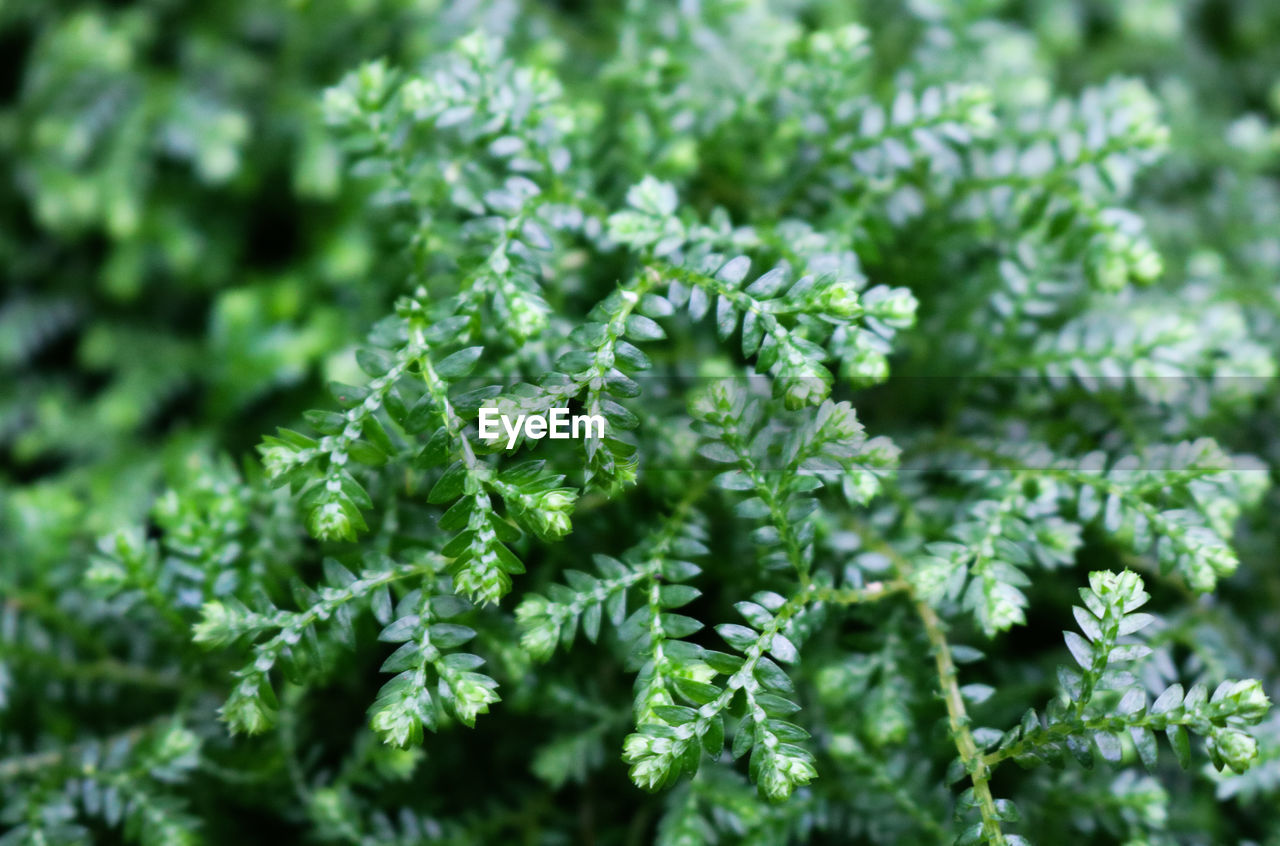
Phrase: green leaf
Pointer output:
(458, 364)
(783, 649)
(1144, 740)
(1180, 744)
(739, 637)
(449, 486)
(641, 328)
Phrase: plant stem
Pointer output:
(12, 768)
(957, 716)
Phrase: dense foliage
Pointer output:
(937, 343)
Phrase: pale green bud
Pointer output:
(330, 522)
(540, 631)
(551, 513)
(1250, 701)
(277, 460)
(473, 694)
(339, 105)
(246, 711)
(840, 299)
(804, 388)
(1238, 749)
(216, 626)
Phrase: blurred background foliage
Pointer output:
(186, 259)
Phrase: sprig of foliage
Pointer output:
(1084, 713)
(404, 704)
(292, 637)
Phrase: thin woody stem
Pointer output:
(957, 715)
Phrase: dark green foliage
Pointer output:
(910, 323)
